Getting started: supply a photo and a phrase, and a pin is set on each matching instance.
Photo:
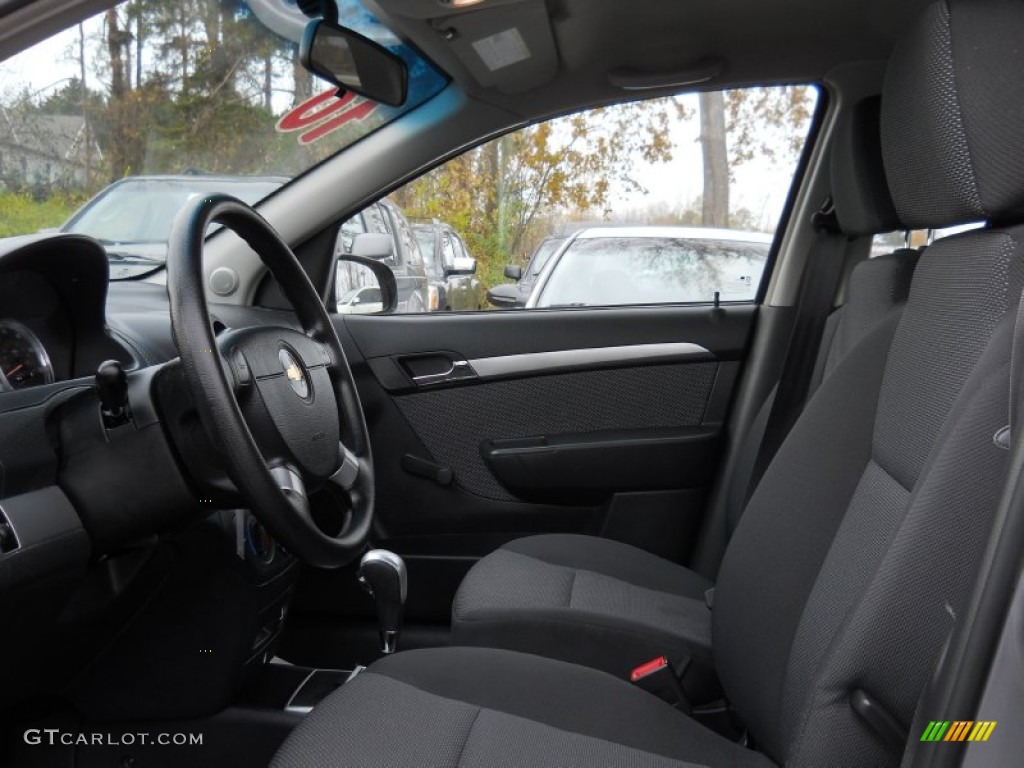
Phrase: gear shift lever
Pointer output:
(383, 575)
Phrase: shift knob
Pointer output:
(383, 575)
(112, 385)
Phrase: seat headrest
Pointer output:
(859, 188)
(953, 115)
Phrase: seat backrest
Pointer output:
(875, 288)
(863, 207)
(857, 552)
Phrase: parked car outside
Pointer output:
(405, 259)
(452, 271)
(132, 217)
(509, 295)
(653, 265)
(361, 301)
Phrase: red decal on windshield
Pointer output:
(322, 114)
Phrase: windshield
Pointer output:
(141, 210)
(180, 88)
(649, 270)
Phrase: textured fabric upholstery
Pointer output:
(584, 599)
(837, 539)
(481, 708)
(896, 580)
(452, 423)
(859, 189)
(952, 120)
(876, 287)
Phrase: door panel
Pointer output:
(606, 422)
(455, 423)
(599, 421)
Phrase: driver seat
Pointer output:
(857, 552)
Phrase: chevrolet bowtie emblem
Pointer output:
(294, 373)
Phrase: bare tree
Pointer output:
(715, 206)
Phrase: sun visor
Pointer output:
(508, 47)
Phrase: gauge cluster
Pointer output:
(24, 361)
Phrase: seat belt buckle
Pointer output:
(659, 677)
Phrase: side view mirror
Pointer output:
(363, 286)
(505, 296)
(514, 272)
(354, 63)
(373, 245)
(462, 266)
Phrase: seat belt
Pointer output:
(818, 288)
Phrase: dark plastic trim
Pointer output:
(598, 464)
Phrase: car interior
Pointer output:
(240, 527)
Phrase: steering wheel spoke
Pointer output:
(347, 474)
(290, 482)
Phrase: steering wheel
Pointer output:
(280, 405)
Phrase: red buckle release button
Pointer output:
(648, 668)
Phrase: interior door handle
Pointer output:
(461, 369)
(437, 368)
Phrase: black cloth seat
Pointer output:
(612, 606)
(484, 708)
(857, 553)
(584, 599)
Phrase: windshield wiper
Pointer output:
(114, 253)
(122, 257)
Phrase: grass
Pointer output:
(21, 214)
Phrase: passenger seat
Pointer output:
(627, 605)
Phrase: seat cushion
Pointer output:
(484, 708)
(586, 600)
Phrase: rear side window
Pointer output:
(347, 234)
(410, 247)
(447, 251)
(376, 220)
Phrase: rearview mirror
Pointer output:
(514, 272)
(505, 296)
(464, 265)
(373, 245)
(354, 62)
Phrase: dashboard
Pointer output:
(86, 493)
(52, 312)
